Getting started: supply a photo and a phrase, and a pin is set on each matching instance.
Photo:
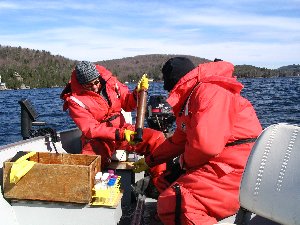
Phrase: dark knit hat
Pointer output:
(86, 72)
(174, 69)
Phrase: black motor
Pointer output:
(28, 121)
(159, 114)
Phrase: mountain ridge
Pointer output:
(40, 69)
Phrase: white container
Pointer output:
(120, 155)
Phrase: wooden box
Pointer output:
(54, 177)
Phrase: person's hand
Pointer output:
(129, 135)
(143, 83)
(140, 166)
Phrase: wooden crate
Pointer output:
(54, 177)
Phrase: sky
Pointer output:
(254, 32)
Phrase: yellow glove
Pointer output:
(140, 166)
(128, 135)
(20, 167)
(143, 83)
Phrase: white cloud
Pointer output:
(117, 29)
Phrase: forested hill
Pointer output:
(131, 68)
(33, 68)
(36, 68)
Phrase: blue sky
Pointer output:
(254, 32)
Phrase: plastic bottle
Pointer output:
(112, 181)
(111, 173)
(98, 177)
(105, 177)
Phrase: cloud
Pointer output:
(255, 33)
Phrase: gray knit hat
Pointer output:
(86, 72)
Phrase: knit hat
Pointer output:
(174, 69)
(86, 72)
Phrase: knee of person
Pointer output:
(166, 199)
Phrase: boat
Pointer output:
(26, 212)
(269, 188)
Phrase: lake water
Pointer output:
(275, 100)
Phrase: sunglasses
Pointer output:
(91, 84)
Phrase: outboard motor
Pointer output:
(28, 120)
(28, 117)
(159, 114)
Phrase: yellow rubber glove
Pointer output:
(20, 167)
(140, 166)
(143, 83)
(129, 135)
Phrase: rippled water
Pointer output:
(275, 100)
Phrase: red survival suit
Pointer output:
(210, 114)
(101, 121)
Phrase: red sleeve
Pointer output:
(169, 149)
(207, 132)
(90, 127)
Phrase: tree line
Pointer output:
(41, 69)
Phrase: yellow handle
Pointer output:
(20, 167)
(143, 83)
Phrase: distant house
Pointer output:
(2, 85)
(20, 79)
(18, 76)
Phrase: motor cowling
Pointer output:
(159, 114)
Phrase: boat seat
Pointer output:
(70, 140)
(270, 187)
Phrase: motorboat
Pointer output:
(46, 139)
(269, 192)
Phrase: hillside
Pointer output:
(34, 68)
(294, 70)
(39, 69)
(131, 68)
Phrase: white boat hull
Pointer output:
(47, 213)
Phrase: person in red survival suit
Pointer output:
(215, 130)
(94, 98)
